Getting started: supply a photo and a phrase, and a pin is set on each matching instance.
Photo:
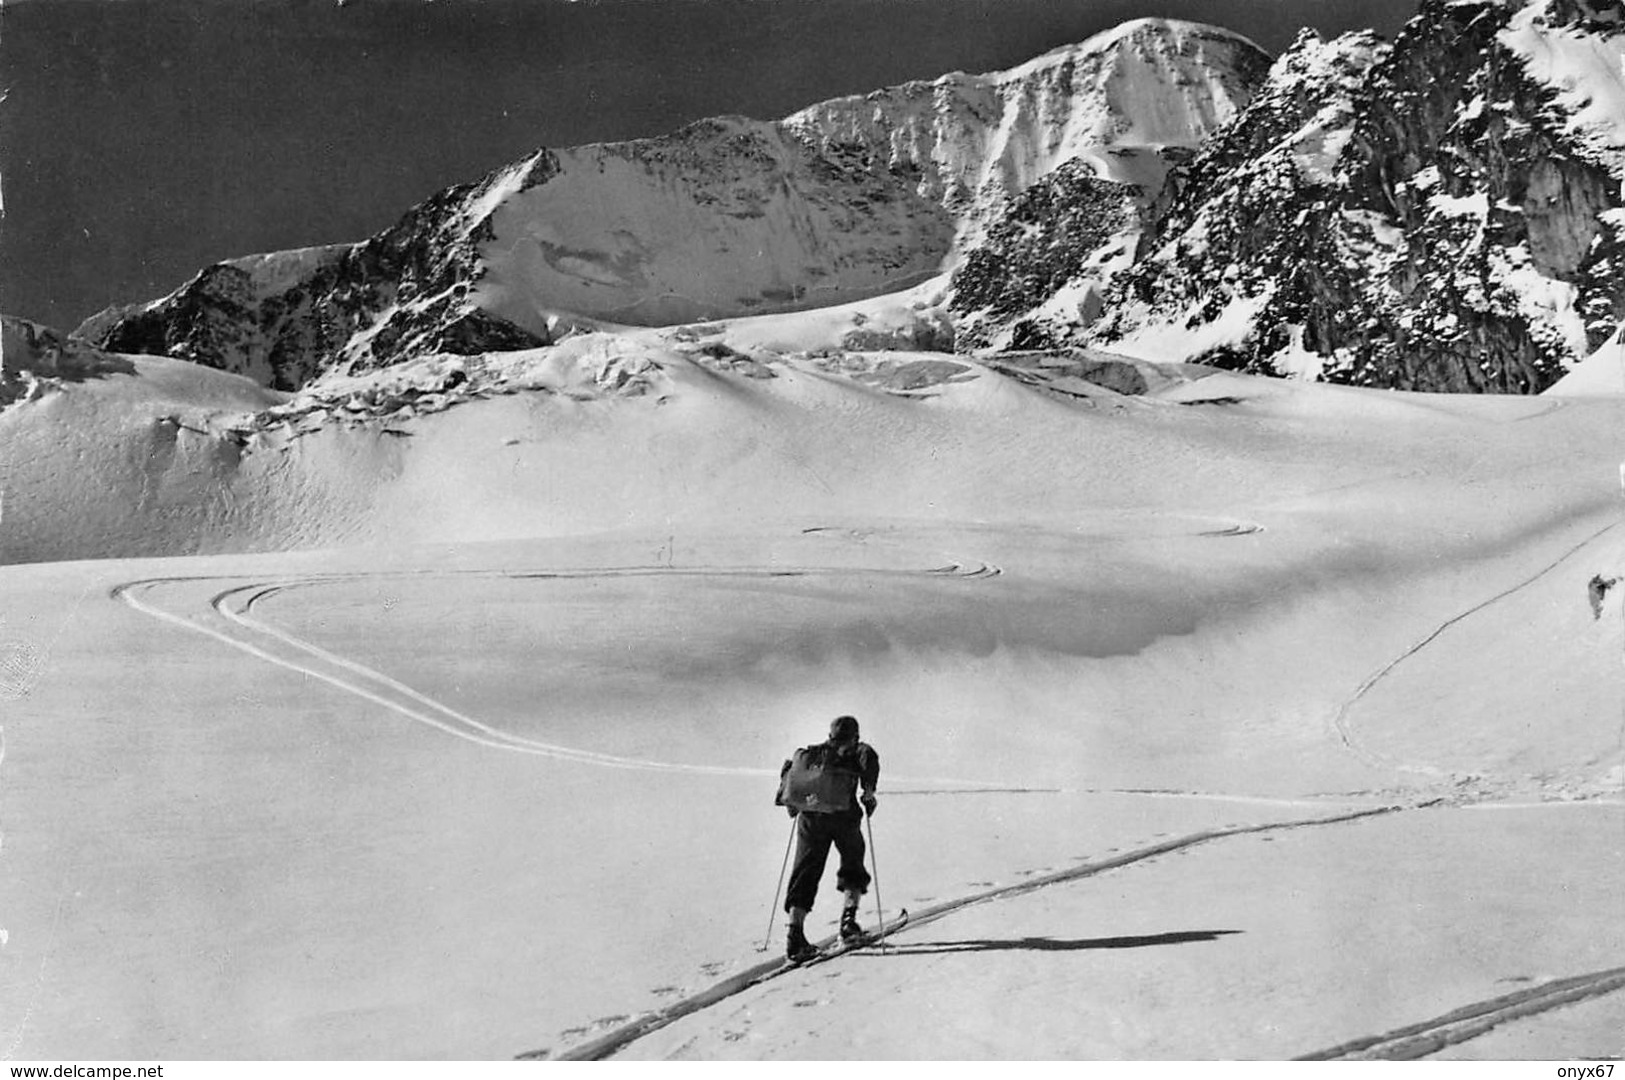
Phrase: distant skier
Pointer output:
(1596, 589)
(819, 785)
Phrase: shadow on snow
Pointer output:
(1047, 944)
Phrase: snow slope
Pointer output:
(1603, 372)
(468, 750)
(725, 217)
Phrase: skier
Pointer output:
(1596, 589)
(819, 786)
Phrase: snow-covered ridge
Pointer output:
(839, 202)
(976, 140)
(1181, 34)
(278, 271)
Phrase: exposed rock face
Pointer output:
(1504, 276)
(1059, 239)
(284, 318)
(1443, 213)
(1234, 223)
(842, 201)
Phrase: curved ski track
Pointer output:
(269, 643)
(235, 605)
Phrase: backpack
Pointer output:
(813, 782)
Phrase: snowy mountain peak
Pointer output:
(729, 216)
(1169, 39)
(1441, 212)
(978, 140)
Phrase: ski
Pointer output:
(836, 947)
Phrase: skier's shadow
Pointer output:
(1048, 944)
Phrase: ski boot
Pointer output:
(796, 946)
(851, 932)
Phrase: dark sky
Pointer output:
(142, 140)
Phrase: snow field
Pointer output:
(436, 712)
(359, 801)
(1276, 962)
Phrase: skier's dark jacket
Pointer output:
(855, 760)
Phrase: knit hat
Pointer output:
(844, 729)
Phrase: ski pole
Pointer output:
(774, 911)
(874, 857)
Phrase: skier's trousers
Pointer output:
(814, 835)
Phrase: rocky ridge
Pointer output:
(1440, 213)
(285, 318)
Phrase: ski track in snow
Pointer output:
(235, 605)
(39, 976)
(1470, 1021)
(1342, 726)
(1406, 1043)
(610, 1043)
